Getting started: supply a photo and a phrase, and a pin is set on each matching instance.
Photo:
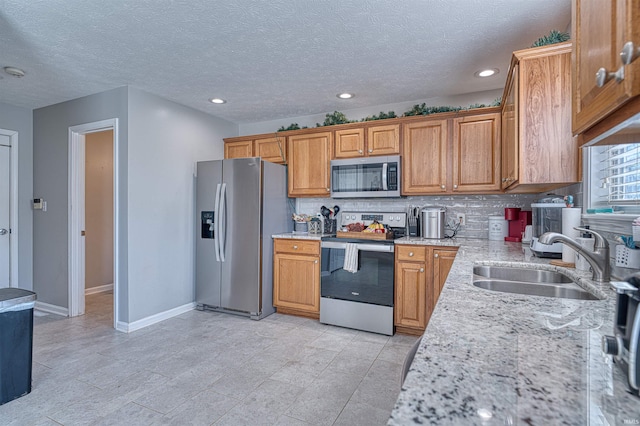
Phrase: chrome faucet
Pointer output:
(598, 258)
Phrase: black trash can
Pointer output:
(16, 342)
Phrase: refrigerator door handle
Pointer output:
(216, 219)
(223, 223)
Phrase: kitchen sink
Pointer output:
(533, 282)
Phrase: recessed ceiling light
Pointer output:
(345, 95)
(13, 71)
(487, 73)
(217, 101)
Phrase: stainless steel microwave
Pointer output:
(366, 177)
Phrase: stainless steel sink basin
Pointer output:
(520, 274)
(532, 282)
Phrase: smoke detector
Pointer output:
(13, 71)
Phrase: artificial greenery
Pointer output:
(336, 117)
(292, 126)
(381, 116)
(554, 37)
(423, 109)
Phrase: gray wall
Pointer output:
(50, 181)
(486, 97)
(21, 120)
(165, 141)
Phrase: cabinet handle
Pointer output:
(455, 186)
(410, 254)
(629, 53)
(602, 76)
(295, 247)
(315, 261)
(370, 151)
(328, 190)
(436, 255)
(421, 269)
(443, 187)
(359, 151)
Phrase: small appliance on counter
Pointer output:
(547, 217)
(624, 344)
(432, 222)
(518, 220)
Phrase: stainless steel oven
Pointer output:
(356, 285)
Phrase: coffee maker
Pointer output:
(547, 217)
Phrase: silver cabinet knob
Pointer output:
(629, 53)
(3, 231)
(295, 247)
(359, 151)
(370, 151)
(443, 187)
(455, 186)
(602, 76)
(328, 190)
(436, 255)
(410, 254)
(315, 261)
(421, 269)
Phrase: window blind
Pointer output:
(619, 175)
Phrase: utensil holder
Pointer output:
(627, 258)
(330, 226)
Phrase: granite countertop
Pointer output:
(491, 358)
(301, 236)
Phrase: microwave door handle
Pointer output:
(384, 176)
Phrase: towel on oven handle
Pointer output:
(351, 258)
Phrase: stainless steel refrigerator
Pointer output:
(240, 203)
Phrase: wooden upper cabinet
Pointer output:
(509, 134)
(383, 140)
(239, 149)
(541, 141)
(424, 157)
(309, 164)
(272, 149)
(367, 141)
(476, 153)
(349, 143)
(600, 30)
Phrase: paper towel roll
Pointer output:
(570, 219)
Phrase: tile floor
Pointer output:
(207, 368)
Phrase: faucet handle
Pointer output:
(601, 242)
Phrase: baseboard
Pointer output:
(154, 319)
(52, 309)
(98, 289)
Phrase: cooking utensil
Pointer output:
(325, 212)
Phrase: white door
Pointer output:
(5, 185)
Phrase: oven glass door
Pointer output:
(372, 283)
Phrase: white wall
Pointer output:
(21, 120)
(486, 97)
(165, 141)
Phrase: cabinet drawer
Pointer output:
(411, 253)
(296, 246)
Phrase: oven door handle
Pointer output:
(384, 248)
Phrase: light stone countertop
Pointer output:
(491, 358)
(300, 236)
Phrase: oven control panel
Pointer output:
(391, 219)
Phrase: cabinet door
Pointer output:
(548, 151)
(442, 262)
(411, 295)
(271, 149)
(309, 163)
(240, 149)
(296, 282)
(349, 143)
(509, 136)
(424, 160)
(383, 140)
(600, 30)
(476, 153)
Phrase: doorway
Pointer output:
(93, 223)
(8, 208)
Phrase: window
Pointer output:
(614, 180)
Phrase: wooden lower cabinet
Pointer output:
(420, 273)
(296, 277)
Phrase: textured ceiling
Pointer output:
(270, 59)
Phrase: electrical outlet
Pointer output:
(462, 219)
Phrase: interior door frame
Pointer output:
(76, 214)
(13, 210)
